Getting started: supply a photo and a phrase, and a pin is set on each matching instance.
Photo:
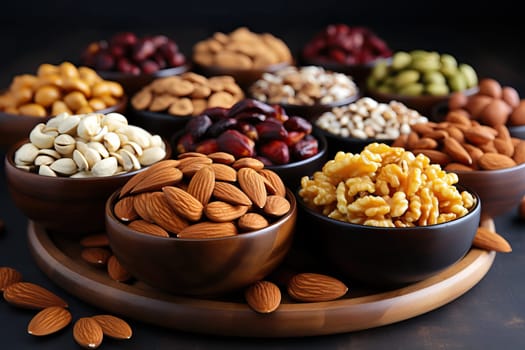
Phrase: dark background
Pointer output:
(488, 35)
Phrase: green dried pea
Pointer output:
(380, 70)
(426, 64)
(457, 82)
(437, 89)
(434, 77)
(414, 89)
(469, 74)
(406, 77)
(448, 61)
(401, 60)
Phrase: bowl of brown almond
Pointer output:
(386, 217)
(202, 225)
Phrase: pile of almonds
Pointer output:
(202, 196)
(492, 105)
(53, 314)
(459, 143)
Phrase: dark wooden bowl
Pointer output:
(70, 206)
(387, 257)
(201, 267)
(14, 127)
(133, 83)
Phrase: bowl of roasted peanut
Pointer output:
(54, 89)
(61, 176)
(386, 217)
(202, 225)
(351, 127)
(487, 159)
(166, 104)
(306, 91)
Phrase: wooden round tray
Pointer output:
(60, 259)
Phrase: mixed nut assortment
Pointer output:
(128, 53)
(421, 72)
(345, 45)
(60, 88)
(250, 128)
(187, 94)
(85, 145)
(306, 85)
(368, 119)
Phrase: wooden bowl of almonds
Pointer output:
(63, 174)
(201, 225)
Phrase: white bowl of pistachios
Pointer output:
(61, 176)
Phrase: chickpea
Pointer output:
(84, 110)
(47, 95)
(101, 88)
(32, 109)
(60, 107)
(46, 69)
(68, 69)
(75, 84)
(97, 104)
(115, 88)
(88, 75)
(50, 79)
(108, 100)
(24, 81)
(22, 95)
(74, 100)
(7, 100)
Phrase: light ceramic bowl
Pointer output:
(201, 267)
(383, 257)
(70, 206)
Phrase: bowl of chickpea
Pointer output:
(34, 98)
(377, 219)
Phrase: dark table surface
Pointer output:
(491, 315)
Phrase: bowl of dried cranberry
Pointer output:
(135, 61)
(289, 145)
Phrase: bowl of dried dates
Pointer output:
(350, 128)
(202, 225)
(34, 98)
(289, 145)
(61, 174)
(487, 159)
(307, 91)
(135, 60)
(242, 54)
(377, 218)
(166, 104)
(352, 50)
(420, 79)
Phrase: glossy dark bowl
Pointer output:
(424, 104)
(201, 267)
(14, 127)
(517, 131)
(387, 257)
(70, 206)
(500, 190)
(163, 124)
(243, 77)
(133, 83)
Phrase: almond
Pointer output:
(116, 271)
(95, 240)
(495, 113)
(190, 165)
(517, 117)
(88, 333)
(219, 211)
(435, 156)
(479, 135)
(48, 321)
(224, 172)
(230, 193)
(140, 204)
(519, 152)
(190, 155)
(222, 157)
(314, 287)
(493, 161)
(412, 139)
(162, 214)
(276, 206)
(128, 186)
(208, 230)
(248, 162)
(202, 184)
(183, 203)
(490, 87)
(113, 326)
(401, 141)
(263, 296)
(440, 134)
(490, 240)
(422, 128)
(8, 276)
(275, 181)
(158, 179)
(456, 151)
(474, 152)
(252, 222)
(31, 296)
(456, 134)
(511, 96)
(124, 209)
(426, 142)
(457, 118)
(457, 167)
(253, 185)
(148, 228)
(96, 256)
(504, 146)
